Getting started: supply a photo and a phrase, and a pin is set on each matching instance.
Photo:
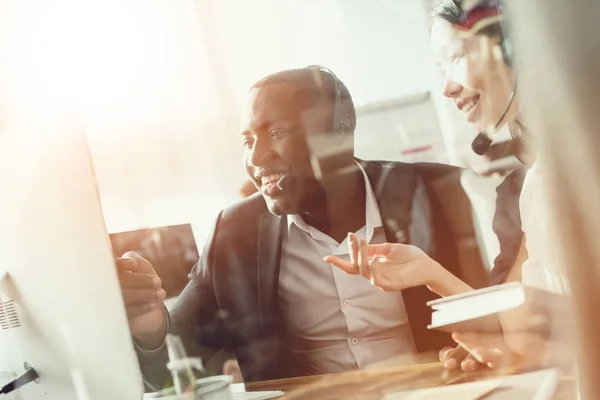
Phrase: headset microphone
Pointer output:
(481, 144)
(290, 178)
(285, 181)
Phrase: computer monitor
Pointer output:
(62, 311)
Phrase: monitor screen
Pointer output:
(61, 306)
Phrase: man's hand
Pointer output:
(231, 367)
(456, 357)
(143, 297)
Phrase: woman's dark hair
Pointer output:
(452, 12)
(449, 10)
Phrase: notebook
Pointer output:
(480, 310)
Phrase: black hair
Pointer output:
(318, 85)
(452, 11)
(448, 10)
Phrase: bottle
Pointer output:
(185, 371)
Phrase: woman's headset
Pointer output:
(479, 14)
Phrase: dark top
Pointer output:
(507, 224)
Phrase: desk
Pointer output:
(374, 384)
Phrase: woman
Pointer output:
(473, 53)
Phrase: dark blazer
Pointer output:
(231, 300)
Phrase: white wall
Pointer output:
(378, 48)
(162, 112)
(160, 85)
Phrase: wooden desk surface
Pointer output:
(374, 384)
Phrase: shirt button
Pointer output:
(401, 236)
(346, 302)
(355, 341)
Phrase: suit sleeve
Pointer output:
(194, 318)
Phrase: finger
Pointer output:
(454, 357)
(442, 354)
(487, 349)
(379, 250)
(140, 296)
(230, 367)
(137, 280)
(125, 264)
(141, 264)
(472, 340)
(496, 358)
(470, 364)
(379, 277)
(353, 250)
(363, 260)
(492, 357)
(346, 266)
(138, 310)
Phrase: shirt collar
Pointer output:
(373, 217)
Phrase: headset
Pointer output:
(480, 14)
(342, 123)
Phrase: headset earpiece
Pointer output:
(483, 141)
(342, 123)
(508, 50)
(507, 45)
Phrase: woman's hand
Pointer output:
(395, 266)
(457, 357)
(521, 345)
(389, 266)
(515, 350)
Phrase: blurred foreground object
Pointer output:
(61, 309)
(561, 40)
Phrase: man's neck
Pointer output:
(345, 207)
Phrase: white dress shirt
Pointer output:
(337, 322)
(541, 269)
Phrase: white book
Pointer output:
(480, 310)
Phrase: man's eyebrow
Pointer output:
(259, 126)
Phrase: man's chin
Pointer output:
(279, 206)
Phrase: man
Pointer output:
(262, 288)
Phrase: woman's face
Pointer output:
(476, 77)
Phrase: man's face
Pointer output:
(278, 131)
